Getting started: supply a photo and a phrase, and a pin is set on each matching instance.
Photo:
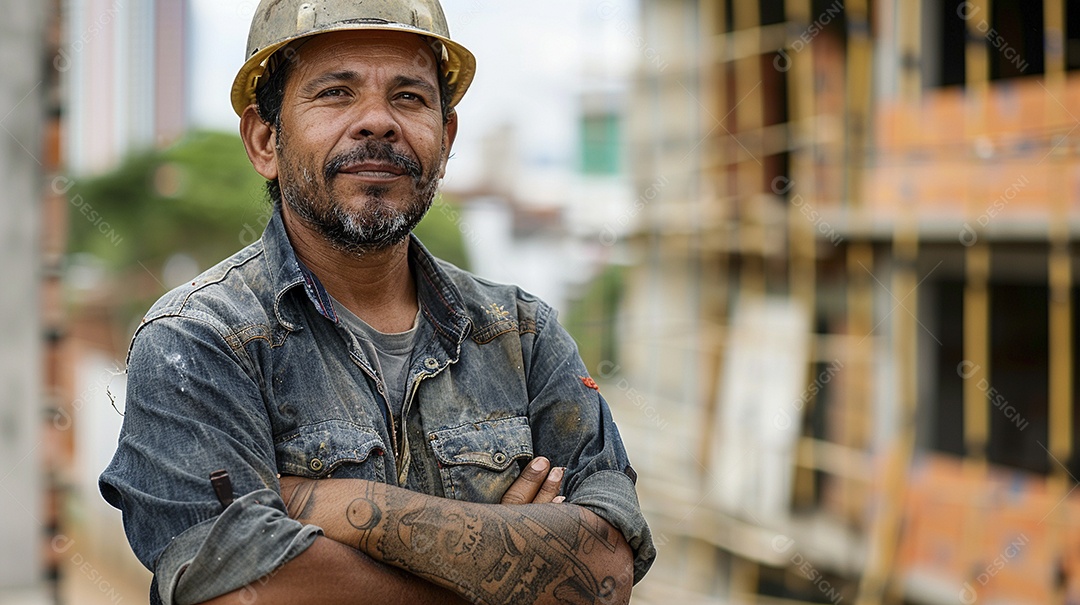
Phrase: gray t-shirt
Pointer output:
(389, 353)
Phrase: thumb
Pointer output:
(528, 483)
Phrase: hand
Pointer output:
(539, 483)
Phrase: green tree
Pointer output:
(200, 197)
(591, 317)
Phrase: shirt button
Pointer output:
(431, 363)
(499, 457)
(316, 464)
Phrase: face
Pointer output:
(362, 142)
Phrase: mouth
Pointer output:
(373, 171)
(372, 163)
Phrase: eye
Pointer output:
(332, 93)
(412, 97)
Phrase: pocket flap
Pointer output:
(492, 444)
(315, 450)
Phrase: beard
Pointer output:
(380, 223)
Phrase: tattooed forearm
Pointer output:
(363, 514)
(534, 553)
(301, 500)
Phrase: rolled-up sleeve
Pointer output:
(194, 407)
(572, 426)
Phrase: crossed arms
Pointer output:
(390, 545)
(210, 395)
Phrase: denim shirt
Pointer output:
(247, 369)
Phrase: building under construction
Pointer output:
(845, 362)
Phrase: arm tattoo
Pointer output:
(302, 501)
(489, 554)
(364, 515)
(505, 557)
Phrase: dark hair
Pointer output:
(270, 96)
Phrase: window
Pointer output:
(1013, 32)
(600, 143)
(1017, 392)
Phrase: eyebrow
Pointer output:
(312, 86)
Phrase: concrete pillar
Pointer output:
(22, 43)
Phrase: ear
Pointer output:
(449, 133)
(260, 142)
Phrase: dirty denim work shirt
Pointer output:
(248, 369)
(391, 353)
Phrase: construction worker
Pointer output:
(333, 415)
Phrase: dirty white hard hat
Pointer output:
(278, 23)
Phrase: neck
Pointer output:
(377, 287)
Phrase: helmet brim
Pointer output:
(459, 65)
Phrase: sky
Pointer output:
(534, 59)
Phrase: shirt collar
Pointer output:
(440, 299)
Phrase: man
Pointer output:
(334, 416)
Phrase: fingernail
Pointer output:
(557, 473)
(558, 499)
(539, 464)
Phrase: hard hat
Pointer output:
(278, 22)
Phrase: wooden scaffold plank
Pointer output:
(877, 583)
(1060, 371)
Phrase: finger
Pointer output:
(528, 483)
(551, 486)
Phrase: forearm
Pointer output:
(488, 553)
(330, 573)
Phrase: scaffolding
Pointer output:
(900, 175)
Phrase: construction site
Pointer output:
(851, 302)
(840, 338)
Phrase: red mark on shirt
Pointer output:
(589, 382)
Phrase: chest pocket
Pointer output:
(479, 461)
(335, 447)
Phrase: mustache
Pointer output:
(379, 151)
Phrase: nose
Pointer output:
(375, 120)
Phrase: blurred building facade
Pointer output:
(114, 83)
(846, 350)
(125, 67)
